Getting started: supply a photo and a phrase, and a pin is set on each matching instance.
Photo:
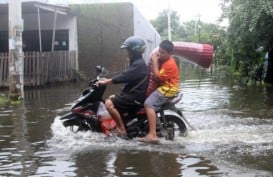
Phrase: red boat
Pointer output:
(201, 54)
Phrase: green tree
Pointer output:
(201, 32)
(188, 31)
(161, 25)
(250, 35)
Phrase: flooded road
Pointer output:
(232, 136)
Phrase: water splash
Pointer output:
(64, 139)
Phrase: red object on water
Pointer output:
(107, 125)
(201, 54)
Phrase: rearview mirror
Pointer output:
(99, 69)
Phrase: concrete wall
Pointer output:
(4, 23)
(102, 28)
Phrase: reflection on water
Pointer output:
(232, 136)
(234, 124)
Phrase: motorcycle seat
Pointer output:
(172, 101)
(176, 98)
(141, 111)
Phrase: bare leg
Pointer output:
(115, 115)
(151, 137)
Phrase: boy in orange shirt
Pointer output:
(166, 74)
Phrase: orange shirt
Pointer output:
(168, 78)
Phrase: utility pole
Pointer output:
(169, 22)
(16, 62)
(197, 25)
(199, 28)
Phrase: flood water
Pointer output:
(232, 136)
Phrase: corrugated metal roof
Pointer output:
(31, 7)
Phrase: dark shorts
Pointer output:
(125, 103)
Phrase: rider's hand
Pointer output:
(155, 56)
(103, 81)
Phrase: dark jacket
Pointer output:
(131, 77)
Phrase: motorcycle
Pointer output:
(88, 113)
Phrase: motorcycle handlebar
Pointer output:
(94, 83)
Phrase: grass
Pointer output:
(4, 100)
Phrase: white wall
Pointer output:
(144, 28)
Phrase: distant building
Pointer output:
(35, 13)
(85, 34)
(50, 43)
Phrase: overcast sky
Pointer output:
(209, 10)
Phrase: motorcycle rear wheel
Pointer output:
(173, 126)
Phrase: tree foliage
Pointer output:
(242, 46)
(191, 31)
(250, 34)
(161, 25)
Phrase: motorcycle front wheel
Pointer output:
(75, 122)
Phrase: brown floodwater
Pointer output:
(232, 136)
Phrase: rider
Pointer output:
(166, 73)
(135, 79)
